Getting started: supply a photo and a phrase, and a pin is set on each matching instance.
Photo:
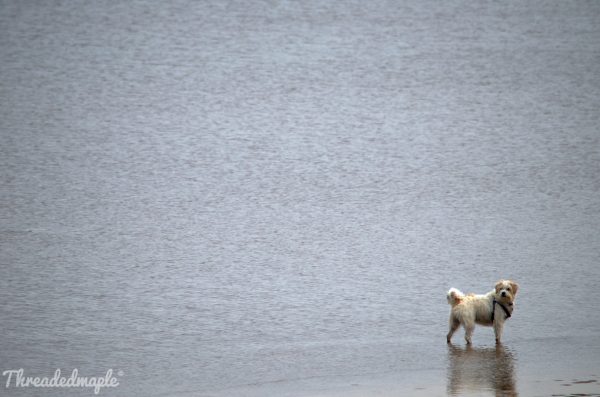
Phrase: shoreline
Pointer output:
(418, 383)
(560, 366)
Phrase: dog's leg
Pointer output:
(498, 327)
(469, 328)
(454, 324)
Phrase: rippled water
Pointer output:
(215, 195)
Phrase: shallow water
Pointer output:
(208, 197)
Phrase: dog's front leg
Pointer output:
(498, 327)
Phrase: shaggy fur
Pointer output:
(468, 310)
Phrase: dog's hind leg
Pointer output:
(469, 328)
(454, 324)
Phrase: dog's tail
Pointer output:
(454, 296)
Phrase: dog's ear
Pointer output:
(498, 286)
(515, 287)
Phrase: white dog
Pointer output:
(491, 309)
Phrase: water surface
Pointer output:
(221, 197)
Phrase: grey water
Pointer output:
(215, 195)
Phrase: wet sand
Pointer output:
(561, 366)
(426, 383)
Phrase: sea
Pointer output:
(271, 198)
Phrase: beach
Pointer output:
(539, 367)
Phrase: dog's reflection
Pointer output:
(477, 370)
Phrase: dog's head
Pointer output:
(506, 290)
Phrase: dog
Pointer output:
(491, 309)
